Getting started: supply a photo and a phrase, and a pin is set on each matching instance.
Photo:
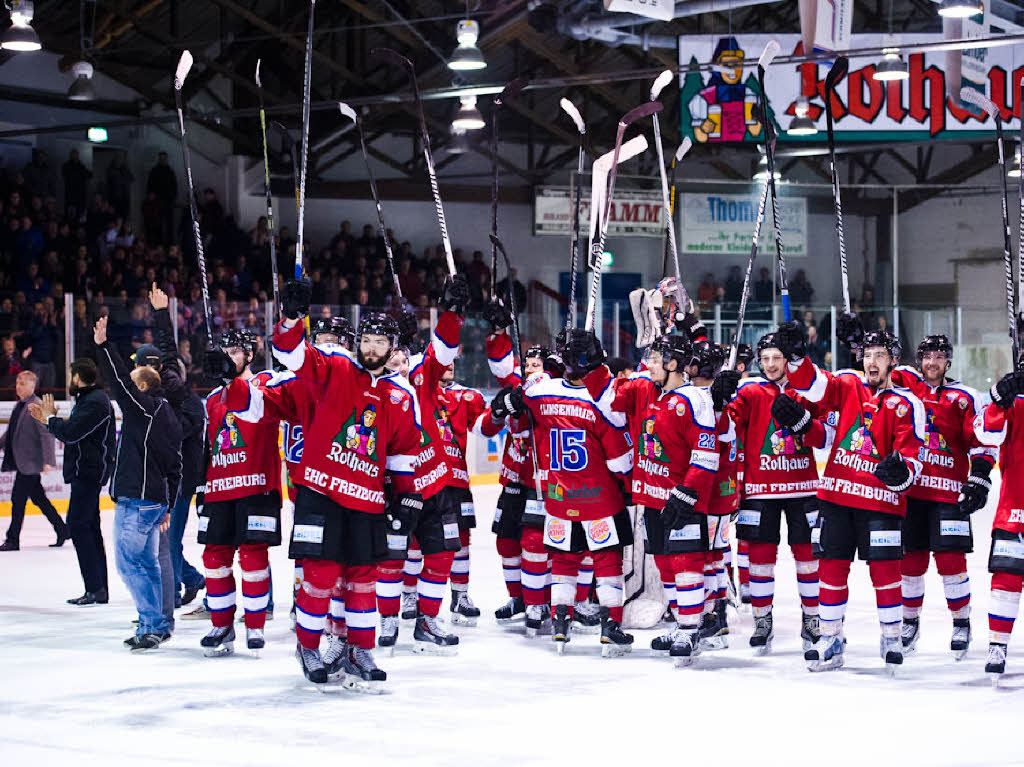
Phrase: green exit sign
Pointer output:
(97, 135)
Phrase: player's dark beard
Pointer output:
(373, 364)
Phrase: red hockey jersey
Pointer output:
(950, 442)
(677, 441)
(871, 425)
(998, 427)
(517, 450)
(584, 452)
(243, 455)
(459, 411)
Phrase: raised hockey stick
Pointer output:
(597, 248)
(574, 241)
(1020, 241)
(300, 255)
(771, 50)
(985, 104)
(270, 205)
(681, 150)
(398, 59)
(518, 349)
(746, 278)
(184, 65)
(350, 113)
(835, 74)
(288, 143)
(511, 90)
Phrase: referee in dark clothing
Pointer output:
(89, 437)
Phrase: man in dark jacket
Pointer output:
(147, 477)
(90, 439)
(28, 451)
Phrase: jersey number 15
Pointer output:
(568, 450)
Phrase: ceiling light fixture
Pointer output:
(467, 57)
(468, 117)
(82, 88)
(802, 125)
(960, 9)
(20, 36)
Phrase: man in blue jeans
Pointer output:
(147, 478)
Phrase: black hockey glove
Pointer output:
(585, 352)
(790, 338)
(974, 493)
(296, 299)
(893, 472)
(403, 513)
(724, 387)
(497, 315)
(456, 294)
(789, 413)
(849, 329)
(408, 326)
(218, 366)
(507, 402)
(1007, 388)
(694, 328)
(680, 503)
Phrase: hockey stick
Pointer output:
(746, 278)
(396, 58)
(597, 248)
(1020, 243)
(570, 109)
(289, 146)
(511, 90)
(518, 349)
(270, 205)
(681, 150)
(300, 256)
(771, 50)
(659, 84)
(976, 98)
(184, 65)
(350, 113)
(835, 74)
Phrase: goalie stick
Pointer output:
(300, 256)
(184, 65)
(398, 59)
(835, 74)
(511, 90)
(270, 206)
(574, 241)
(979, 100)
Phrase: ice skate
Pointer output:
(219, 642)
(810, 630)
(512, 611)
(312, 666)
(561, 627)
(536, 617)
(664, 643)
(721, 610)
(764, 633)
(410, 605)
(464, 612)
(144, 643)
(909, 634)
(201, 613)
(711, 635)
(586, 618)
(430, 637)
(687, 647)
(254, 641)
(361, 672)
(961, 640)
(996, 663)
(827, 654)
(388, 634)
(334, 657)
(891, 650)
(614, 641)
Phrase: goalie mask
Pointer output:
(378, 336)
(339, 327)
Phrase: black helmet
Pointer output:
(745, 355)
(538, 351)
(379, 324)
(708, 358)
(674, 347)
(935, 343)
(881, 338)
(336, 326)
(240, 337)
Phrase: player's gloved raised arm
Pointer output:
(508, 402)
(218, 366)
(403, 512)
(408, 326)
(694, 328)
(849, 329)
(1007, 389)
(456, 294)
(497, 315)
(893, 472)
(296, 299)
(681, 502)
(724, 387)
(791, 414)
(585, 352)
(790, 339)
(974, 492)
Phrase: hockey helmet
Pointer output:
(884, 338)
(238, 337)
(745, 355)
(707, 357)
(935, 343)
(379, 324)
(673, 347)
(339, 327)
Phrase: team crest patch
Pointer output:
(395, 396)
(901, 410)
(858, 439)
(359, 433)
(680, 409)
(229, 437)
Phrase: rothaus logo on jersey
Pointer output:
(228, 447)
(355, 446)
(782, 450)
(857, 450)
(935, 451)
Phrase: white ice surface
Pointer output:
(70, 694)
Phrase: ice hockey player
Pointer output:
(937, 520)
(358, 422)
(242, 498)
(740, 580)
(1000, 426)
(780, 478)
(587, 456)
(675, 463)
(873, 462)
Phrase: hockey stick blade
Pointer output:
(771, 50)
(259, 84)
(836, 73)
(683, 148)
(510, 91)
(184, 65)
(659, 84)
(570, 109)
(629, 150)
(644, 110)
(393, 56)
(976, 97)
(348, 111)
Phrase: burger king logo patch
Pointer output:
(599, 531)
(557, 530)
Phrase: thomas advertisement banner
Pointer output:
(723, 224)
(717, 106)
